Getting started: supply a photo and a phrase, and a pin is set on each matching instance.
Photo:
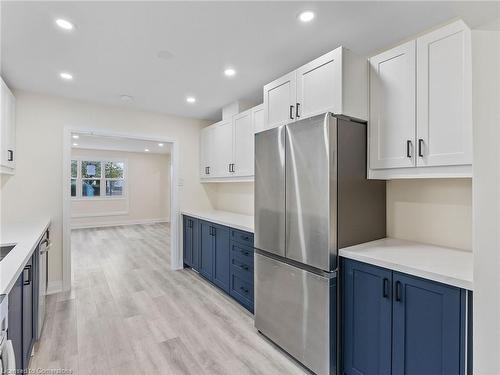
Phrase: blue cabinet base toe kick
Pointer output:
(222, 255)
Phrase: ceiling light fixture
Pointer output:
(306, 16)
(76, 136)
(66, 76)
(64, 24)
(75, 144)
(191, 99)
(126, 98)
(230, 72)
(146, 149)
(160, 144)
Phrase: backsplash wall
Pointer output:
(435, 211)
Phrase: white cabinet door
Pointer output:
(319, 85)
(444, 102)
(243, 144)
(259, 123)
(222, 150)
(392, 108)
(7, 127)
(206, 150)
(279, 101)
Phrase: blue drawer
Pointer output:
(242, 252)
(242, 237)
(242, 291)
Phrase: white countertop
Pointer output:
(442, 264)
(230, 219)
(26, 235)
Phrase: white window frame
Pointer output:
(79, 179)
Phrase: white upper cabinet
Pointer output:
(227, 147)
(243, 144)
(258, 118)
(222, 148)
(335, 82)
(421, 108)
(279, 101)
(444, 102)
(7, 129)
(392, 108)
(206, 151)
(318, 85)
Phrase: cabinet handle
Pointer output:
(245, 252)
(229, 167)
(244, 266)
(385, 288)
(245, 290)
(27, 281)
(212, 231)
(297, 110)
(232, 166)
(208, 170)
(291, 112)
(421, 147)
(398, 291)
(10, 155)
(408, 148)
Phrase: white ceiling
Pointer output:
(114, 48)
(97, 142)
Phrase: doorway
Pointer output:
(117, 181)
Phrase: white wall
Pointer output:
(486, 109)
(234, 197)
(146, 197)
(36, 188)
(435, 211)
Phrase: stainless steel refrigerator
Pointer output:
(311, 198)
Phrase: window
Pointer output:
(97, 178)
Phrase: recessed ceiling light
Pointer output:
(75, 144)
(165, 55)
(146, 149)
(76, 136)
(66, 76)
(306, 16)
(191, 99)
(64, 24)
(126, 98)
(229, 72)
(160, 144)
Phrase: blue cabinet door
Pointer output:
(427, 327)
(206, 249)
(221, 257)
(15, 330)
(187, 225)
(367, 319)
(195, 251)
(28, 326)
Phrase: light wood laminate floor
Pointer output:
(128, 313)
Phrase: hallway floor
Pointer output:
(128, 313)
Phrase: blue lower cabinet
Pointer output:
(190, 242)
(15, 330)
(398, 324)
(427, 333)
(206, 250)
(367, 319)
(221, 257)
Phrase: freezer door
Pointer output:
(311, 192)
(296, 309)
(270, 191)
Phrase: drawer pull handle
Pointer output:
(398, 291)
(245, 252)
(244, 266)
(243, 289)
(246, 238)
(385, 288)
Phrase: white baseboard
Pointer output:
(54, 287)
(97, 224)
